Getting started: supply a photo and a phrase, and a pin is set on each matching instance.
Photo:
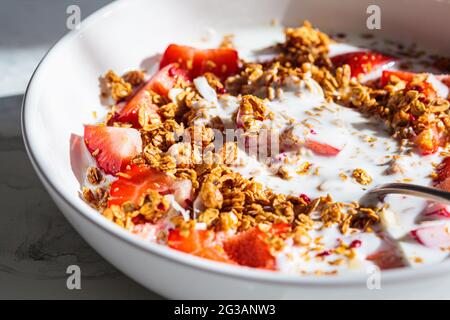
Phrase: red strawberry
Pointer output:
(361, 62)
(424, 87)
(135, 182)
(221, 62)
(167, 77)
(435, 236)
(388, 256)
(147, 230)
(250, 248)
(402, 75)
(183, 55)
(161, 83)
(112, 147)
(428, 141)
(141, 102)
(444, 78)
(200, 243)
(443, 174)
(387, 259)
(182, 190)
(437, 210)
(321, 148)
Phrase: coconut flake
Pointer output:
(205, 89)
(441, 89)
(175, 206)
(173, 94)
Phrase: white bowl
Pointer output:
(64, 91)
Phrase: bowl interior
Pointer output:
(64, 91)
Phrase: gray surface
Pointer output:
(36, 242)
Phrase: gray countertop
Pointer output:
(36, 242)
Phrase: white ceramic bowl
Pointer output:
(64, 91)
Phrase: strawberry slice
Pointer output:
(182, 190)
(166, 78)
(437, 210)
(402, 75)
(141, 104)
(428, 141)
(183, 55)
(135, 182)
(436, 236)
(200, 243)
(361, 62)
(112, 147)
(388, 256)
(250, 248)
(442, 180)
(147, 230)
(387, 259)
(221, 62)
(322, 149)
(444, 78)
(423, 87)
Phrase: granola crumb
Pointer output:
(227, 42)
(94, 176)
(117, 87)
(361, 176)
(283, 173)
(134, 77)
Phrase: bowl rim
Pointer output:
(184, 259)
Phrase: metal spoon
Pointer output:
(429, 193)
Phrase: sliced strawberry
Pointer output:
(424, 87)
(389, 255)
(436, 236)
(442, 180)
(428, 141)
(437, 210)
(444, 185)
(321, 148)
(140, 103)
(250, 248)
(280, 229)
(221, 62)
(444, 78)
(147, 230)
(183, 192)
(135, 182)
(112, 147)
(402, 75)
(442, 84)
(200, 243)
(387, 259)
(183, 55)
(361, 62)
(167, 77)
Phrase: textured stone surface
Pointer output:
(36, 242)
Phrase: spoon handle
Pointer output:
(411, 189)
